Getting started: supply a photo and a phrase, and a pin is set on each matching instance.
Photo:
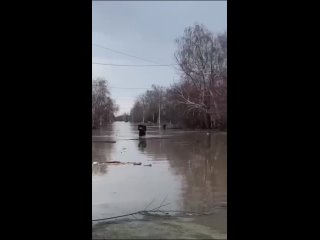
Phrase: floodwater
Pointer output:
(188, 172)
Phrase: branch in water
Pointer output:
(157, 210)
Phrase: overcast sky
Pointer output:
(145, 29)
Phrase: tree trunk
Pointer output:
(206, 120)
(212, 121)
(143, 116)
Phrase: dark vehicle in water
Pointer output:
(142, 130)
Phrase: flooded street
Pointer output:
(187, 170)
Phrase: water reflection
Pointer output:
(201, 160)
(101, 153)
(190, 167)
(142, 144)
(99, 169)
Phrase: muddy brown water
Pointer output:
(188, 172)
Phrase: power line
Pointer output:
(127, 88)
(129, 55)
(95, 84)
(133, 65)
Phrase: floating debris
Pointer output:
(115, 162)
(148, 165)
(118, 162)
(107, 141)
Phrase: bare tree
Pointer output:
(200, 98)
(142, 100)
(103, 107)
(202, 60)
(137, 112)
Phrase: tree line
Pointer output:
(103, 107)
(199, 99)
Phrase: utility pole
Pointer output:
(143, 115)
(159, 113)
